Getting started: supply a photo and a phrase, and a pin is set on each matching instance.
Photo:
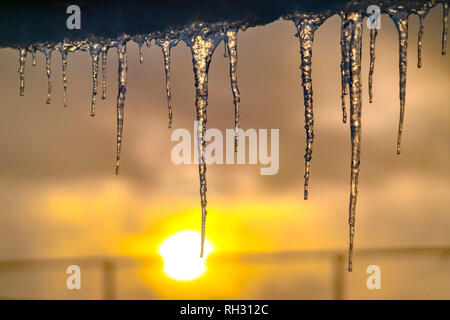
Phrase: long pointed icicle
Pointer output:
(373, 37)
(94, 50)
(444, 27)
(419, 41)
(231, 46)
(202, 49)
(64, 53)
(48, 58)
(355, 20)
(21, 70)
(345, 61)
(104, 53)
(306, 25)
(400, 19)
(166, 45)
(122, 89)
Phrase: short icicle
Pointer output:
(94, 50)
(400, 19)
(345, 61)
(306, 26)
(104, 53)
(122, 89)
(21, 70)
(48, 58)
(202, 48)
(166, 45)
(140, 42)
(64, 51)
(421, 14)
(355, 20)
(444, 26)
(32, 49)
(373, 37)
(230, 42)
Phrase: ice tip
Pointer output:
(201, 250)
(350, 261)
(117, 168)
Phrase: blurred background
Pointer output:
(61, 203)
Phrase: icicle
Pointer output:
(202, 49)
(230, 42)
(141, 56)
(104, 57)
(122, 89)
(33, 54)
(345, 61)
(64, 53)
(400, 19)
(355, 20)
(166, 45)
(421, 13)
(306, 26)
(48, 57)
(419, 42)
(140, 42)
(444, 27)
(94, 50)
(373, 37)
(22, 58)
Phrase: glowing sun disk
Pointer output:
(181, 255)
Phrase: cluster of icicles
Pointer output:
(203, 41)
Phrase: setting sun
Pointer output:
(181, 255)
